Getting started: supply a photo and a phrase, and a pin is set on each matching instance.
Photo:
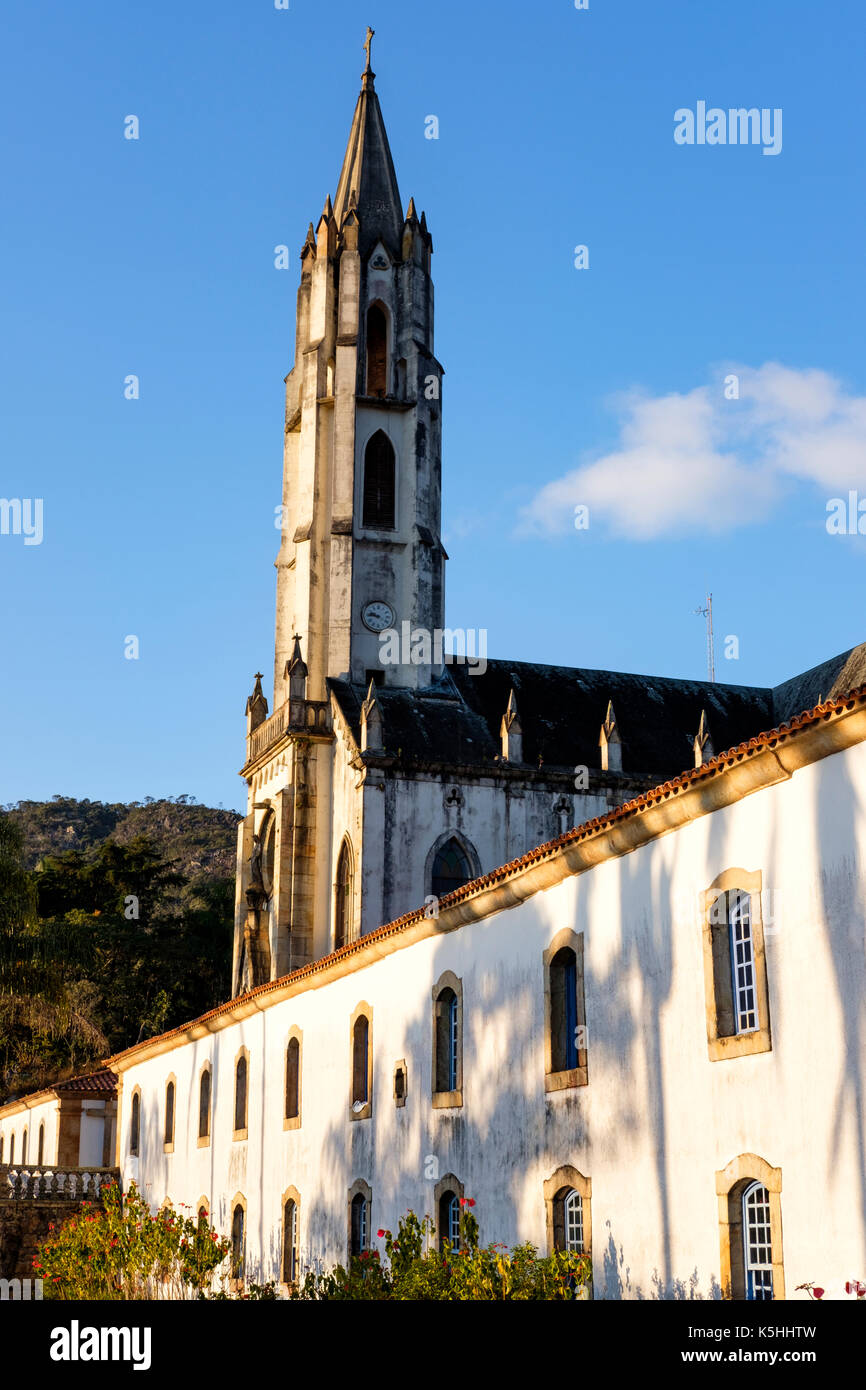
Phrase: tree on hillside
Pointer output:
(46, 1027)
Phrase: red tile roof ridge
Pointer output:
(715, 765)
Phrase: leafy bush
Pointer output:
(124, 1251)
(415, 1271)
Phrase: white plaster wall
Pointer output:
(656, 1121)
(92, 1134)
(43, 1113)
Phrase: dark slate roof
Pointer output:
(561, 710)
(368, 172)
(830, 680)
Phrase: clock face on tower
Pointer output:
(377, 615)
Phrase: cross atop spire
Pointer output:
(368, 46)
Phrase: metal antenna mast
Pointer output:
(711, 646)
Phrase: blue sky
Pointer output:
(604, 385)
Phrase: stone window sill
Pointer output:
(740, 1045)
(447, 1100)
(566, 1080)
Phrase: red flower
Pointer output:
(380, 1233)
(818, 1293)
(463, 1201)
(472, 1201)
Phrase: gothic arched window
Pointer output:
(377, 351)
(380, 467)
(343, 898)
(24, 1147)
(41, 1151)
(451, 869)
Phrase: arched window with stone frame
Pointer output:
(749, 1194)
(568, 1206)
(359, 1218)
(344, 896)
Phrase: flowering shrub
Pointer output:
(124, 1251)
(417, 1270)
(854, 1288)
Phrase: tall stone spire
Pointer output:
(368, 172)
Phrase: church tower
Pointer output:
(360, 553)
(360, 550)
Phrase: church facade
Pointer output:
(387, 775)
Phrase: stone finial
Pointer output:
(327, 210)
(296, 672)
(257, 706)
(309, 246)
(411, 214)
(610, 742)
(511, 732)
(371, 723)
(703, 743)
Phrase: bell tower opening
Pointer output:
(377, 351)
(379, 483)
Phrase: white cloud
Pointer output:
(701, 460)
